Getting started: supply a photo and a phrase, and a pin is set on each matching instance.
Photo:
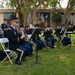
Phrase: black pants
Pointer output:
(2, 55)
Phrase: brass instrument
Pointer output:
(26, 37)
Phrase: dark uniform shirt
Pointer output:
(47, 34)
(5, 27)
(14, 40)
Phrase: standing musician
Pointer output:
(48, 36)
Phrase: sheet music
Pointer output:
(34, 32)
(29, 36)
(70, 32)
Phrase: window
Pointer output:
(7, 15)
(45, 17)
(71, 18)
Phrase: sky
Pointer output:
(64, 3)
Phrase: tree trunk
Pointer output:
(29, 18)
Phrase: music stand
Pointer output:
(58, 41)
(36, 32)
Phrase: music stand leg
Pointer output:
(47, 49)
(58, 42)
(70, 43)
(36, 62)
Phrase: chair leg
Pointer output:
(7, 56)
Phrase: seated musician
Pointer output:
(36, 39)
(5, 26)
(57, 31)
(65, 40)
(28, 45)
(70, 28)
(74, 27)
(15, 41)
(28, 30)
(48, 36)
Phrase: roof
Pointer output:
(6, 10)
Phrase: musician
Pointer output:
(65, 40)
(48, 36)
(5, 26)
(74, 27)
(28, 45)
(15, 41)
(70, 28)
(36, 39)
(28, 30)
(57, 31)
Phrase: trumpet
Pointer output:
(24, 36)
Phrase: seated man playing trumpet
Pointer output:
(49, 37)
(28, 45)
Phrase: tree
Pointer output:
(27, 8)
(56, 18)
(4, 3)
(70, 8)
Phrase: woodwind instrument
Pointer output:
(64, 34)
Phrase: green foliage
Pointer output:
(56, 17)
(52, 3)
(30, 4)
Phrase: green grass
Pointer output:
(58, 61)
(55, 62)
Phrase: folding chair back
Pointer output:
(5, 46)
(1, 33)
(3, 41)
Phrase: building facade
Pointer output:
(5, 13)
(43, 16)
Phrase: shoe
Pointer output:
(18, 62)
(54, 46)
(69, 45)
(23, 59)
(31, 54)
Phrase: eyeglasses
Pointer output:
(16, 21)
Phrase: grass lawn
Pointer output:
(58, 61)
(55, 62)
